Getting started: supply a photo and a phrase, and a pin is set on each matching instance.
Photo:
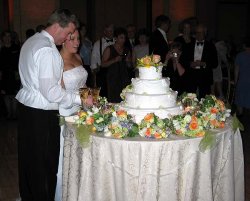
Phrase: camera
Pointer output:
(175, 54)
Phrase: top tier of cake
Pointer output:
(150, 73)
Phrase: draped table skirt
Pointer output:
(138, 169)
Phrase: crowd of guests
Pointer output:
(193, 63)
(43, 75)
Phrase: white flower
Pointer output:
(187, 118)
(176, 124)
(107, 133)
(89, 113)
(142, 132)
(114, 114)
(228, 111)
(95, 110)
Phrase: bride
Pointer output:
(74, 78)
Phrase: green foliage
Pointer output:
(61, 120)
(82, 135)
(237, 124)
(208, 141)
(133, 131)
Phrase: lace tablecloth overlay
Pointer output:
(139, 169)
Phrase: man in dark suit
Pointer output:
(201, 57)
(158, 43)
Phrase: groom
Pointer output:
(40, 68)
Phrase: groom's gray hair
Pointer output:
(63, 17)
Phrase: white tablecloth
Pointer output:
(164, 170)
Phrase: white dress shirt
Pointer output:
(40, 68)
(95, 56)
(198, 50)
(163, 34)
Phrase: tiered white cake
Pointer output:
(150, 93)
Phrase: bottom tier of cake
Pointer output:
(139, 113)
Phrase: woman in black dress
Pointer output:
(174, 68)
(117, 59)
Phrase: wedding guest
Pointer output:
(99, 74)
(40, 68)
(74, 78)
(142, 49)
(158, 43)
(201, 58)
(116, 59)
(176, 70)
(241, 78)
(15, 38)
(185, 37)
(9, 55)
(222, 53)
(85, 53)
(131, 42)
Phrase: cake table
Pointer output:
(136, 169)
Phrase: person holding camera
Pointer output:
(175, 70)
(117, 59)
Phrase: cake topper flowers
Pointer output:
(149, 60)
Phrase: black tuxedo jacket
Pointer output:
(158, 45)
(209, 55)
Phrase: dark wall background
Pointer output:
(224, 18)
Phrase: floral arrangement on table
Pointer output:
(199, 116)
(149, 60)
(152, 126)
(121, 125)
(198, 120)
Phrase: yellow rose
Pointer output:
(147, 61)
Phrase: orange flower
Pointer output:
(121, 113)
(222, 124)
(116, 135)
(90, 120)
(178, 132)
(148, 132)
(214, 110)
(200, 134)
(193, 125)
(214, 122)
(149, 117)
(157, 135)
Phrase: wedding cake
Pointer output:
(150, 93)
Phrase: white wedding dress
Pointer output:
(73, 79)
